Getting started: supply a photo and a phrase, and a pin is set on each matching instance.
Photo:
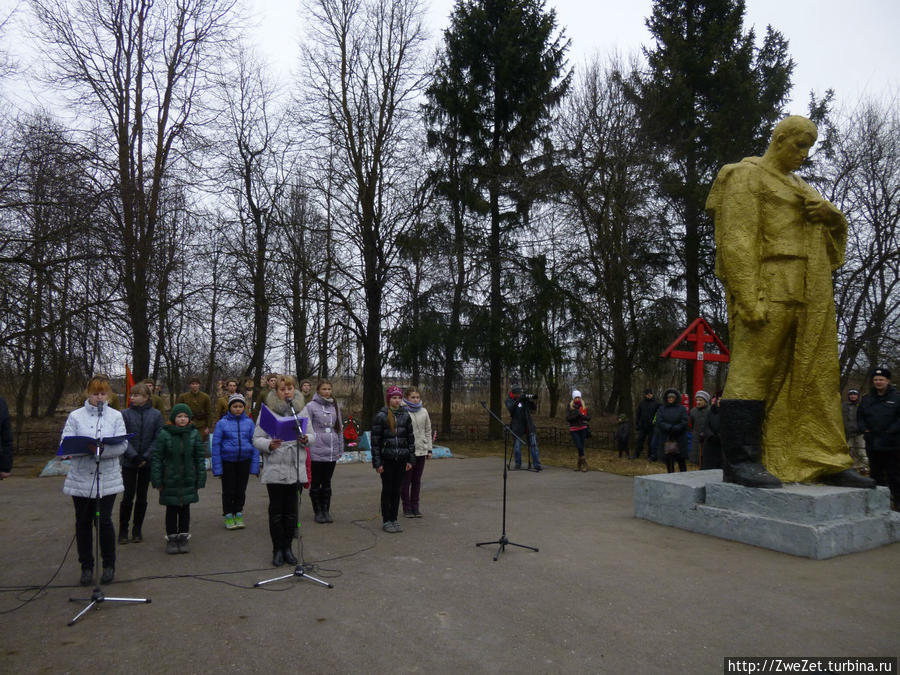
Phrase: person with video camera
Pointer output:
(521, 423)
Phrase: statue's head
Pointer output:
(792, 139)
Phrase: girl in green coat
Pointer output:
(178, 471)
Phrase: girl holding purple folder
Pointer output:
(95, 419)
(285, 471)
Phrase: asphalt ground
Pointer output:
(605, 593)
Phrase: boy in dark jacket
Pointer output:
(623, 435)
(144, 421)
(178, 472)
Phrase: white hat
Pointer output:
(576, 394)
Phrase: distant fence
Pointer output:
(599, 440)
(46, 442)
(36, 442)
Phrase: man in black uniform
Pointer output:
(643, 422)
(879, 420)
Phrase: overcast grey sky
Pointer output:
(852, 47)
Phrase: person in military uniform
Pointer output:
(200, 405)
(155, 398)
(231, 387)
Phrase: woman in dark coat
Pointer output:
(178, 471)
(672, 427)
(393, 453)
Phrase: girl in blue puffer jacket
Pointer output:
(234, 458)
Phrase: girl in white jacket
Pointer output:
(95, 419)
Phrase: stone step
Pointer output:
(799, 503)
(814, 521)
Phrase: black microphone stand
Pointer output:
(503, 541)
(300, 569)
(97, 597)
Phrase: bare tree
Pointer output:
(259, 165)
(138, 66)
(364, 72)
(605, 189)
(863, 179)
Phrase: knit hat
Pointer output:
(648, 391)
(884, 372)
(516, 389)
(393, 390)
(239, 398)
(179, 408)
(576, 394)
(853, 391)
(702, 394)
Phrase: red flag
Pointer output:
(129, 383)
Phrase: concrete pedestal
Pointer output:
(814, 521)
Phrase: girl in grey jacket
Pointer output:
(326, 445)
(85, 479)
(285, 471)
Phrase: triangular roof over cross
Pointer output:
(699, 333)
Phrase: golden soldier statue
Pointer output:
(777, 243)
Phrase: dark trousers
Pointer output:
(578, 437)
(320, 475)
(639, 446)
(178, 519)
(234, 486)
(670, 462)
(283, 508)
(84, 525)
(884, 468)
(391, 478)
(411, 484)
(136, 483)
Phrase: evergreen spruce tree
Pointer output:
(708, 97)
(500, 74)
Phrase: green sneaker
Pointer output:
(238, 521)
(229, 521)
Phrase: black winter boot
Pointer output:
(315, 498)
(171, 544)
(183, 546)
(742, 444)
(276, 532)
(289, 524)
(326, 505)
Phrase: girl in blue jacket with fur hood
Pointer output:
(234, 458)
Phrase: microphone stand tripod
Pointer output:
(97, 597)
(503, 541)
(300, 569)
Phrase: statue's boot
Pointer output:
(742, 444)
(849, 478)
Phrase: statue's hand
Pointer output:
(753, 314)
(821, 211)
